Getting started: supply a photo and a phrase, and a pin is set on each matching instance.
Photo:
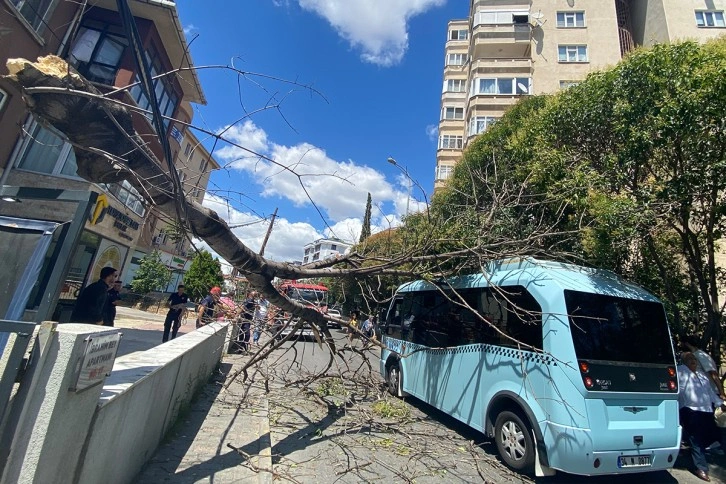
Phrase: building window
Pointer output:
(98, 50)
(444, 172)
(165, 95)
(46, 151)
(499, 17)
(572, 53)
(455, 85)
(710, 18)
(568, 20)
(127, 195)
(35, 12)
(203, 166)
(448, 141)
(502, 85)
(458, 35)
(333, 247)
(479, 124)
(187, 149)
(456, 59)
(566, 84)
(450, 112)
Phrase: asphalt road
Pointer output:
(344, 427)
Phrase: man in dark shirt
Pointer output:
(109, 309)
(177, 302)
(205, 313)
(89, 305)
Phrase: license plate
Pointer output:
(634, 461)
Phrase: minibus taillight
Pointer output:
(588, 382)
(671, 372)
(671, 385)
(584, 367)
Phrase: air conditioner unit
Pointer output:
(156, 241)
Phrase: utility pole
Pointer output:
(267, 235)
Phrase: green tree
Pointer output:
(365, 230)
(152, 274)
(628, 169)
(204, 273)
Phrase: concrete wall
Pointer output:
(141, 400)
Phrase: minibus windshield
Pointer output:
(616, 329)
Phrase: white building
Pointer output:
(323, 249)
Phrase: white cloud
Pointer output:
(379, 28)
(432, 131)
(304, 174)
(286, 241)
(188, 29)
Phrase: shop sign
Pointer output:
(121, 220)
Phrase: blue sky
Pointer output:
(377, 65)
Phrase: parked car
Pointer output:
(336, 314)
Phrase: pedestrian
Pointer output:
(109, 308)
(353, 322)
(90, 303)
(177, 303)
(368, 327)
(697, 400)
(260, 318)
(205, 312)
(705, 363)
(248, 312)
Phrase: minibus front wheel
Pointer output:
(394, 379)
(514, 441)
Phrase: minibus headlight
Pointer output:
(588, 382)
(584, 366)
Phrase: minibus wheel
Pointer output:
(514, 441)
(394, 380)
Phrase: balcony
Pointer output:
(449, 97)
(481, 104)
(492, 65)
(507, 40)
(499, 3)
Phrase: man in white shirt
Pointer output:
(697, 400)
(705, 364)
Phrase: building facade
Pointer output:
(194, 164)
(92, 39)
(514, 48)
(323, 249)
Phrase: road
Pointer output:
(349, 430)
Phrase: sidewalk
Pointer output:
(197, 449)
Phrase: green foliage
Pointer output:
(204, 273)
(152, 274)
(391, 409)
(365, 231)
(627, 170)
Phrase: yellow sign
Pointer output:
(100, 209)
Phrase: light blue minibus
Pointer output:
(589, 386)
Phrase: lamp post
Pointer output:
(404, 170)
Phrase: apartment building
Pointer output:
(35, 158)
(507, 49)
(323, 249)
(194, 164)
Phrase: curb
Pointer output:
(265, 455)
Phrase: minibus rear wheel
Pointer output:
(513, 437)
(394, 380)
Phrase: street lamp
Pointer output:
(404, 170)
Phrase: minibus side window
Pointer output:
(515, 312)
